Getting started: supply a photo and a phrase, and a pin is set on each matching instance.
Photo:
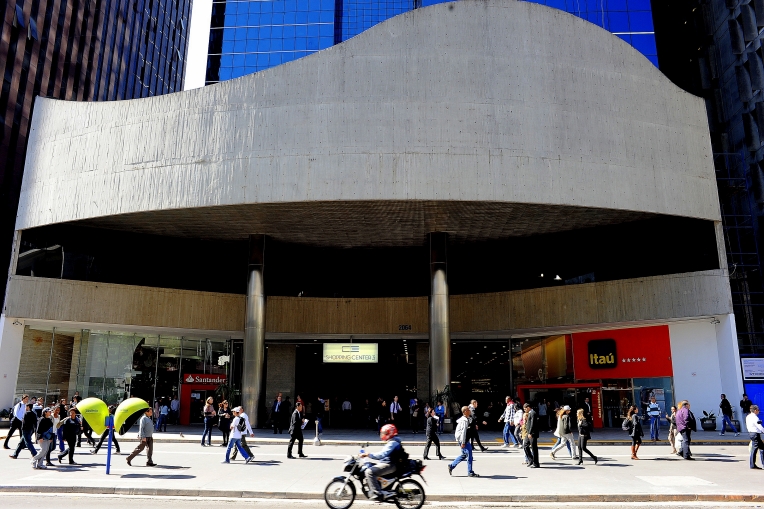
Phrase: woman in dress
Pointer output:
(224, 422)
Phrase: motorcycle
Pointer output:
(404, 491)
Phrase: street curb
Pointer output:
(609, 498)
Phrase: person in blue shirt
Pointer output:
(440, 411)
(388, 460)
(654, 412)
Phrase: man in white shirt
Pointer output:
(508, 417)
(174, 409)
(18, 417)
(347, 416)
(395, 409)
(755, 429)
(244, 445)
(234, 441)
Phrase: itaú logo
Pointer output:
(602, 354)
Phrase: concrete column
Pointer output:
(440, 336)
(254, 332)
(11, 339)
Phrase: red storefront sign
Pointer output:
(204, 378)
(625, 353)
(196, 382)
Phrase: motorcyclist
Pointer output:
(388, 460)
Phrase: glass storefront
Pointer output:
(113, 366)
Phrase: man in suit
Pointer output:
(531, 445)
(277, 415)
(587, 408)
(295, 431)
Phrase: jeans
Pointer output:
(60, 435)
(565, 440)
(207, 430)
(654, 427)
(509, 433)
(726, 419)
(466, 455)
(320, 427)
(235, 442)
(440, 422)
(26, 442)
(686, 439)
(756, 445)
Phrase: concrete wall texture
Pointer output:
(492, 101)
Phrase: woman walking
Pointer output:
(672, 429)
(635, 431)
(209, 414)
(70, 429)
(584, 434)
(45, 434)
(55, 417)
(564, 432)
(224, 422)
(432, 435)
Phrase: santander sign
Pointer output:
(204, 378)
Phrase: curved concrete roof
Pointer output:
(483, 118)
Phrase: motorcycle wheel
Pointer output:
(409, 495)
(338, 498)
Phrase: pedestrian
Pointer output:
(225, 417)
(745, 406)
(440, 411)
(565, 432)
(462, 438)
(415, 417)
(587, 408)
(208, 412)
(685, 425)
(755, 429)
(672, 429)
(474, 422)
(532, 435)
(247, 429)
(174, 409)
(62, 413)
(347, 413)
(635, 430)
(726, 409)
(508, 418)
(70, 429)
(277, 415)
(383, 415)
(164, 416)
(105, 436)
(55, 416)
(395, 409)
(584, 434)
(654, 413)
(518, 422)
(37, 406)
(88, 432)
(45, 433)
(238, 425)
(320, 411)
(431, 432)
(17, 420)
(146, 437)
(28, 427)
(296, 423)
(543, 418)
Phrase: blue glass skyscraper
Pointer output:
(247, 36)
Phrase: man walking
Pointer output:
(395, 409)
(174, 409)
(755, 429)
(745, 406)
(248, 429)
(508, 417)
(17, 420)
(531, 445)
(685, 425)
(461, 435)
(238, 427)
(431, 431)
(146, 437)
(277, 415)
(726, 409)
(473, 429)
(654, 412)
(28, 428)
(295, 431)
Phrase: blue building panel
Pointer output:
(247, 36)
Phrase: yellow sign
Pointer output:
(351, 353)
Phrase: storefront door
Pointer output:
(573, 395)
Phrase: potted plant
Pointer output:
(708, 421)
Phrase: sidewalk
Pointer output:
(720, 473)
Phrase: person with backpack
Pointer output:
(238, 426)
(246, 428)
(389, 459)
(685, 425)
(584, 434)
(633, 427)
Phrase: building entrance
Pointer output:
(365, 390)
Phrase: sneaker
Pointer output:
(249, 459)
(721, 434)
(93, 451)
(450, 469)
(224, 461)
(473, 474)
(737, 434)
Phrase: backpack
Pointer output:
(242, 425)
(627, 425)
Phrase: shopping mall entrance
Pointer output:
(343, 376)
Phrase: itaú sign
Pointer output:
(203, 378)
(351, 353)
